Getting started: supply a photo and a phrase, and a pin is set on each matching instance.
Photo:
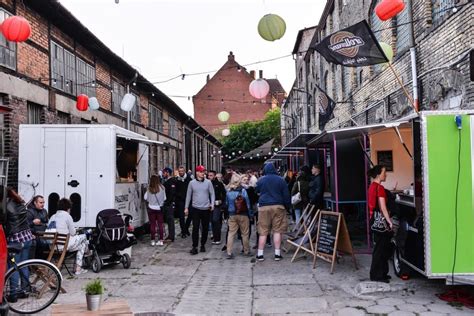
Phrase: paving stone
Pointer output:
(351, 302)
(401, 313)
(380, 309)
(390, 301)
(290, 305)
(415, 308)
(295, 278)
(432, 314)
(442, 308)
(281, 291)
(350, 311)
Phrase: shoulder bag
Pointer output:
(296, 199)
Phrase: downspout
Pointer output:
(411, 39)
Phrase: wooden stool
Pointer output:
(112, 307)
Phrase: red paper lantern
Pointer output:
(16, 29)
(82, 102)
(387, 9)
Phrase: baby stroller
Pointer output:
(109, 238)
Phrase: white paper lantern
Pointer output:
(225, 132)
(259, 88)
(94, 103)
(128, 102)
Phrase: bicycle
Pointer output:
(40, 284)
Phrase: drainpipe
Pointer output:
(411, 38)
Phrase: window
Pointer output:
(64, 118)
(7, 49)
(34, 113)
(156, 118)
(173, 128)
(135, 113)
(118, 91)
(85, 78)
(63, 69)
(403, 29)
(70, 72)
(441, 8)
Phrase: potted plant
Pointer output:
(94, 290)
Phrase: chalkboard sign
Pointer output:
(328, 224)
(332, 237)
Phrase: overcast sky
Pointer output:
(165, 38)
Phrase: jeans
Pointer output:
(19, 257)
(200, 219)
(217, 223)
(170, 221)
(80, 244)
(380, 256)
(297, 215)
(156, 219)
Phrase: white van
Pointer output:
(96, 166)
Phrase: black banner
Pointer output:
(325, 105)
(354, 46)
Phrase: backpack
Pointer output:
(240, 205)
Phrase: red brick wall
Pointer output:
(32, 62)
(232, 86)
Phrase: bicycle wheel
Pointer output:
(32, 286)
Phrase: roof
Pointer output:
(58, 15)
(262, 151)
(275, 86)
(299, 37)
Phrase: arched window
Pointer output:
(403, 29)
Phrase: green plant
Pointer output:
(94, 287)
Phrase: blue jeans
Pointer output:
(297, 214)
(19, 257)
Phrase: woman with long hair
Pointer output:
(381, 225)
(155, 197)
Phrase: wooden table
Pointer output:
(112, 307)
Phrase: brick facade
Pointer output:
(31, 83)
(228, 90)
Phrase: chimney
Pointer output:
(252, 74)
(208, 78)
(260, 74)
(231, 57)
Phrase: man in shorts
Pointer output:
(274, 200)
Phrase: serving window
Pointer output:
(126, 158)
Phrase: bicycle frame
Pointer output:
(3, 261)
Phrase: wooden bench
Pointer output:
(109, 307)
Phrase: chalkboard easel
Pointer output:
(332, 237)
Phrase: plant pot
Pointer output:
(93, 302)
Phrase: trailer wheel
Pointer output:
(96, 264)
(127, 261)
(398, 265)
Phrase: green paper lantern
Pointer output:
(223, 116)
(271, 27)
(387, 50)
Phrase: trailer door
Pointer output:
(54, 161)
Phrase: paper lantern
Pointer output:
(223, 116)
(16, 29)
(271, 27)
(94, 103)
(128, 102)
(82, 102)
(387, 50)
(225, 132)
(387, 9)
(259, 88)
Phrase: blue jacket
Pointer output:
(272, 188)
(232, 195)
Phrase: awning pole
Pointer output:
(367, 195)
(403, 143)
(335, 172)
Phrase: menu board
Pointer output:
(327, 233)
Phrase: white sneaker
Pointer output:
(153, 243)
(160, 243)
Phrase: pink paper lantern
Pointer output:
(259, 88)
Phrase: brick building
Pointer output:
(228, 90)
(41, 77)
(442, 37)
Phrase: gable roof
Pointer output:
(275, 86)
(299, 37)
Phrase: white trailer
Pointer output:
(96, 166)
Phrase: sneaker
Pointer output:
(194, 251)
(260, 258)
(203, 249)
(230, 256)
(153, 243)
(224, 248)
(160, 243)
(278, 257)
(79, 272)
(216, 242)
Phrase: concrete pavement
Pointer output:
(169, 281)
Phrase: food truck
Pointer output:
(429, 158)
(96, 166)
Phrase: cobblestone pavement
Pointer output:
(169, 281)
